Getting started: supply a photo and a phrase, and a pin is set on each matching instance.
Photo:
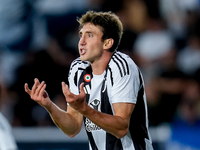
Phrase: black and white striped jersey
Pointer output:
(121, 82)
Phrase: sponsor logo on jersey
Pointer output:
(90, 126)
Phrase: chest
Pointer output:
(95, 94)
(98, 92)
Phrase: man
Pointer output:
(106, 90)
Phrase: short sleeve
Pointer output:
(73, 79)
(125, 88)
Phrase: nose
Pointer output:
(82, 41)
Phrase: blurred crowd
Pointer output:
(39, 38)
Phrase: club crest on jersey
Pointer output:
(87, 78)
(89, 125)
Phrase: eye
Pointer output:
(90, 35)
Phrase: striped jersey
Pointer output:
(121, 82)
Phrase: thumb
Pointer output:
(27, 90)
(81, 88)
(65, 88)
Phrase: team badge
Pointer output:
(87, 77)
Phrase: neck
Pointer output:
(99, 66)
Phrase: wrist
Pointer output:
(49, 106)
(86, 110)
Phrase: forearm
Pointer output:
(113, 124)
(65, 121)
(69, 122)
(116, 125)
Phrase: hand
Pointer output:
(38, 93)
(78, 102)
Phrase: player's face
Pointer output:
(90, 43)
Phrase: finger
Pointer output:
(36, 79)
(35, 85)
(42, 91)
(27, 90)
(38, 90)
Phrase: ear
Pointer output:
(108, 43)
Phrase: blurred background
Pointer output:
(39, 38)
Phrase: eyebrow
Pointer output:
(80, 32)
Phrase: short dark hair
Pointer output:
(109, 22)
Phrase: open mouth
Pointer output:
(82, 51)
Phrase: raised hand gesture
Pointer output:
(38, 93)
(78, 102)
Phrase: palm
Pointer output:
(38, 93)
(77, 102)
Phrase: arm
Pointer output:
(69, 122)
(117, 124)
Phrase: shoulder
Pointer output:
(78, 63)
(122, 64)
(76, 66)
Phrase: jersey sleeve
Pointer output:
(125, 88)
(73, 78)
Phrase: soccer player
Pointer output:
(106, 90)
